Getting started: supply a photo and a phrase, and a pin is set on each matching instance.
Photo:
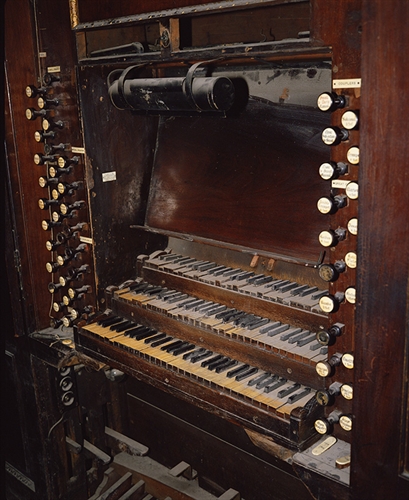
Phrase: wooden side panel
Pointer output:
(19, 140)
(383, 254)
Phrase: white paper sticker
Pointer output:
(78, 150)
(338, 184)
(109, 176)
(347, 83)
(85, 239)
(42, 54)
(53, 69)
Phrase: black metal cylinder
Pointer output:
(170, 95)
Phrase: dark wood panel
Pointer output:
(19, 140)
(382, 309)
(250, 181)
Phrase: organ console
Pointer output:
(201, 317)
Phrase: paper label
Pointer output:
(54, 69)
(77, 150)
(85, 239)
(338, 184)
(347, 83)
(109, 176)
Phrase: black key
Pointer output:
(244, 375)
(205, 267)
(288, 287)
(232, 316)
(216, 269)
(250, 320)
(198, 351)
(259, 378)
(298, 396)
(270, 327)
(237, 371)
(115, 325)
(135, 331)
(290, 333)
(181, 350)
(110, 321)
(289, 390)
(299, 289)
(207, 306)
(244, 276)
(187, 302)
(144, 335)
(254, 278)
(299, 337)
(319, 294)
(199, 357)
(170, 346)
(215, 364)
(308, 291)
(243, 321)
(258, 324)
(278, 330)
(171, 256)
(226, 366)
(171, 295)
(215, 310)
(316, 346)
(159, 342)
(232, 272)
(102, 321)
(307, 340)
(154, 290)
(158, 336)
(275, 385)
(140, 288)
(194, 304)
(131, 331)
(222, 271)
(123, 326)
(277, 284)
(224, 313)
(178, 299)
(266, 382)
(211, 360)
(172, 349)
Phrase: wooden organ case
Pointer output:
(193, 311)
